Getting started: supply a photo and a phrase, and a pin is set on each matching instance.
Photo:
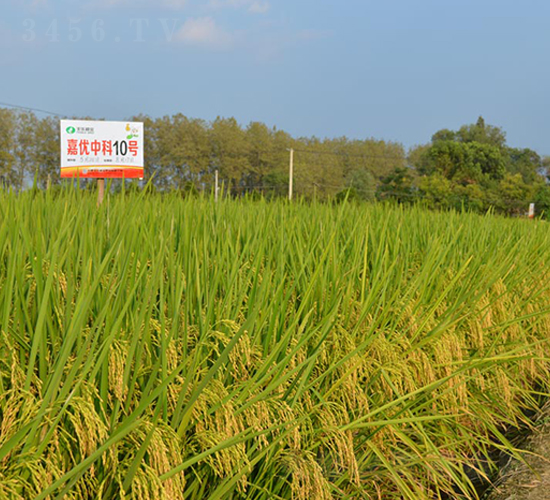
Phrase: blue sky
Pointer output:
(393, 69)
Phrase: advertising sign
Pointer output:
(101, 150)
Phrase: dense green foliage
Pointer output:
(474, 168)
(169, 348)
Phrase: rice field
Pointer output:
(169, 348)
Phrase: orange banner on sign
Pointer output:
(103, 172)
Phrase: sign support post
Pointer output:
(100, 191)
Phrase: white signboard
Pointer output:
(101, 150)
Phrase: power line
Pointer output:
(36, 110)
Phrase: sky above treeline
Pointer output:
(393, 69)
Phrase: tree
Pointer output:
(7, 147)
(515, 194)
(397, 186)
(229, 151)
(436, 191)
(380, 158)
(444, 135)
(276, 184)
(525, 162)
(191, 151)
(364, 184)
(153, 150)
(542, 200)
(482, 133)
(471, 197)
(466, 163)
(479, 132)
(177, 150)
(261, 156)
(46, 155)
(25, 147)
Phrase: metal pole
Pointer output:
(216, 189)
(291, 175)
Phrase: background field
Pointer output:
(162, 347)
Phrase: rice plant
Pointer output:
(160, 348)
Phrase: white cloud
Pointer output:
(204, 31)
(253, 6)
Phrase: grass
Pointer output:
(160, 348)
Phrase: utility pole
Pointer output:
(291, 175)
(216, 188)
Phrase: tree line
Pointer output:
(470, 168)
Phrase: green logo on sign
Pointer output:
(71, 130)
